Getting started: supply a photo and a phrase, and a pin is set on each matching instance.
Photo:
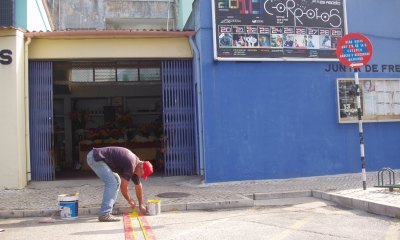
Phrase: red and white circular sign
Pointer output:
(354, 50)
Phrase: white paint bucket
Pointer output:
(153, 207)
(68, 205)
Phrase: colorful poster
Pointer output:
(257, 30)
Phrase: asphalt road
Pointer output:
(300, 218)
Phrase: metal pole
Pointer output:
(360, 128)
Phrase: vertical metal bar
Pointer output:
(171, 119)
(167, 121)
(42, 133)
(180, 90)
(360, 129)
(163, 83)
(191, 117)
(31, 121)
(170, 125)
(175, 116)
(186, 118)
(41, 125)
(51, 120)
(187, 93)
(165, 114)
(173, 140)
(44, 123)
(178, 117)
(183, 116)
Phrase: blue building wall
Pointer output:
(269, 120)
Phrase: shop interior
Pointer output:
(107, 103)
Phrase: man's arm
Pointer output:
(139, 195)
(125, 192)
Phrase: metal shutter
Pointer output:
(179, 118)
(41, 120)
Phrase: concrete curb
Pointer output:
(238, 203)
(213, 205)
(360, 204)
(275, 195)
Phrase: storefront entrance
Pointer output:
(144, 105)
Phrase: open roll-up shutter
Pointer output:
(179, 118)
(41, 120)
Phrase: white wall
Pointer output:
(185, 8)
(12, 104)
(37, 17)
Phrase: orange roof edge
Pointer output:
(110, 33)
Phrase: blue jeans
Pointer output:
(111, 180)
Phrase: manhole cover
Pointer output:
(173, 195)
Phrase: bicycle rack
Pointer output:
(392, 181)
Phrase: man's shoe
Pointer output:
(108, 218)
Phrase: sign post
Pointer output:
(355, 50)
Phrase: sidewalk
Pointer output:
(190, 193)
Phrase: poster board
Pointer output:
(277, 30)
(380, 100)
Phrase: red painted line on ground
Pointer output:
(128, 228)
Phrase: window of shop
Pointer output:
(133, 71)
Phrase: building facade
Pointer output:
(15, 16)
(119, 80)
(282, 117)
(185, 102)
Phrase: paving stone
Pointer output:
(40, 198)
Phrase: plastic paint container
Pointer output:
(153, 207)
(68, 205)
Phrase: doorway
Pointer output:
(144, 105)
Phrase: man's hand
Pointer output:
(139, 194)
(142, 208)
(132, 204)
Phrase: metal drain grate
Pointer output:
(173, 195)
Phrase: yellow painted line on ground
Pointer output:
(143, 229)
(136, 215)
(133, 214)
(294, 227)
(144, 225)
